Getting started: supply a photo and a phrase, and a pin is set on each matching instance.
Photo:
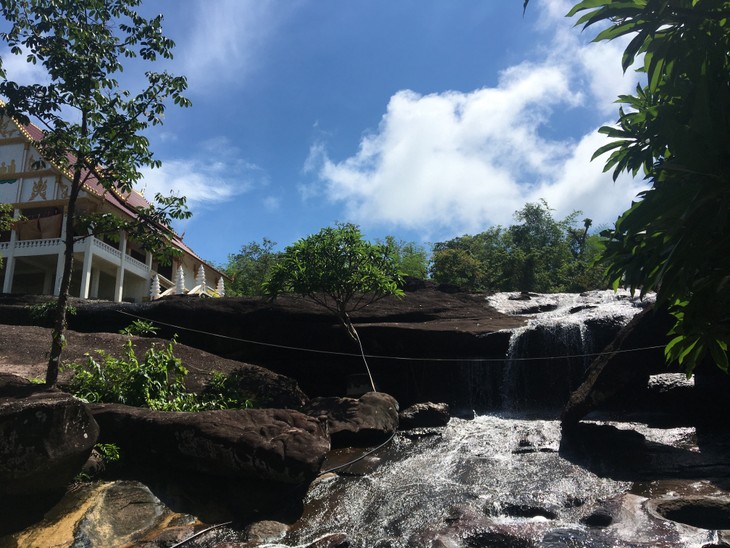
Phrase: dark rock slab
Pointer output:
(45, 438)
(424, 415)
(277, 445)
(351, 422)
(622, 370)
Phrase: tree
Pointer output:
(250, 267)
(458, 267)
(339, 270)
(411, 259)
(539, 249)
(81, 44)
(539, 253)
(675, 130)
(475, 263)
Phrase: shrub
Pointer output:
(157, 381)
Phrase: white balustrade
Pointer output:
(133, 264)
(107, 248)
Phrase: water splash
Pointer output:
(547, 358)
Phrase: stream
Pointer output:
(506, 477)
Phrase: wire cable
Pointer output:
(393, 358)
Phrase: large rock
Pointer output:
(623, 369)
(265, 388)
(352, 422)
(121, 513)
(275, 445)
(45, 438)
(424, 415)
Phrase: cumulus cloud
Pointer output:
(455, 162)
(207, 178)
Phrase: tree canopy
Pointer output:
(338, 269)
(93, 130)
(675, 131)
(538, 253)
(251, 267)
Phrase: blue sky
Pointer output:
(424, 119)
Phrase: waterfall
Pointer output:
(547, 358)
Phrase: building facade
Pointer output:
(116, 269)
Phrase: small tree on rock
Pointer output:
(339, 270)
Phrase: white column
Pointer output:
(119, 281)
(86, 269)
(221, 287)
(9, 271)
(95, 275)
(59, 273)
(180, 281)
(9, 258)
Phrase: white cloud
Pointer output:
(19, 70)
(226, 39)
(456, 162)
(203, 181)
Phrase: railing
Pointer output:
(32, 244)
(106, 247)
(4, 245)
(135, 264)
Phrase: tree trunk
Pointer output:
(59, 323)
(58, 337)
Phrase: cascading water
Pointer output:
(508, 478)
(547, 357)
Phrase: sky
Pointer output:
(420, 119)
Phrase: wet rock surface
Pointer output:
(351, 422)
(505, 479)
(424, 415)
(107, 514)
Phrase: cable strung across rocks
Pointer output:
(395, 358)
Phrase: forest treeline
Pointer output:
(537, 253)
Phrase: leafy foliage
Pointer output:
(81, 46)
(250, 267)
(6, 221)
(539, 253)
(156, 381)
(43, 313)
(140, 328)
(411, 259)
(338, 269)
(675, 130)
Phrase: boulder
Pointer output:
(424, 415)
(275, 445)
(622, 371)
(351, 422)
(45, 437)
(121, 513)
(265, 388)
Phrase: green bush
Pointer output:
(157, 381)
(43, 313)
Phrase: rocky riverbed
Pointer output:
(647, 467)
